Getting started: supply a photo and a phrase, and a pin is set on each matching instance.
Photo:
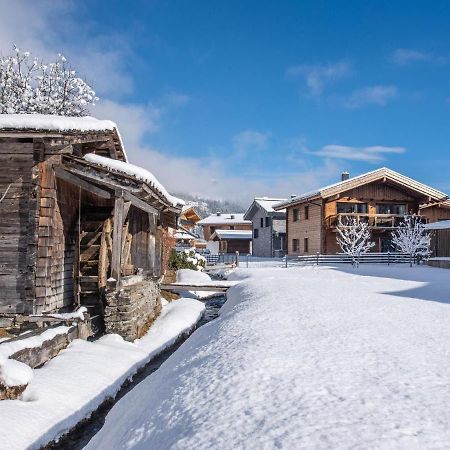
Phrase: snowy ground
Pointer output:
(307, 357)
(72, 385)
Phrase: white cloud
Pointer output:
(372, 95)
(374, 154)
(209, 177)
(318, 76)
(405, 56)
(249, 140)
(104, 60)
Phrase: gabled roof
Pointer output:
(190, 213)
(366, 178)
(223, 235)
(265, 203)
(48, 124)
(224, 219)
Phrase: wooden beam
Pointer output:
(73, 179)
(117, 238)
(97, 179)
(151, 251)
(126, 208)
(140, 203)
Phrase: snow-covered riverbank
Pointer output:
(308, 357)
(72, 385)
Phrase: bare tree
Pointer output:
(354, 239)
(30, 86)
(411, 238)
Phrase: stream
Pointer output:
(79, 436)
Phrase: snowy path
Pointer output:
(72, 385)
(304, 358)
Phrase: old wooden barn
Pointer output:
(79, 225)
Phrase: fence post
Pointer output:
(317, 258)
(389, 258)
(247, 259)
(286, 260)
(237, 259)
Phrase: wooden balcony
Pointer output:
(378, 221)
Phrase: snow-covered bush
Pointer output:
(29, 86)
(411, 238)
(353, 238)
(187, 259)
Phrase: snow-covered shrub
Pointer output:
(29, 86)
(187, 259)
(411, 238)
(353, 238)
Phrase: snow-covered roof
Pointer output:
(183, 235)
(221, 219)
(233, 234)
(134, 171)
(441, 225)
(362, 179)
(48, 122)
(265, 203)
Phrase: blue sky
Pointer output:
(241, 98)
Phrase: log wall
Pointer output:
(56, 241)
(18, 221)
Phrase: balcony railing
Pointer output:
(373, 220)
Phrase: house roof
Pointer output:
(37, 124)
(224, 235)
(441, 225)
(266, 203)
(365, 178)
(190, 213)
(224, 219)
(183, 235)
(136, 172)
(48, 122)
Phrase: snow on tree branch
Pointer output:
(354, 238)
(412, 238)
(29, 86)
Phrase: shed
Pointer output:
(80, 225)
(231, 241)
(440, 239)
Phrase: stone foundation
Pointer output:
(131, 309)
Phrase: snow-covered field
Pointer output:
(72, 385)
(307, 357)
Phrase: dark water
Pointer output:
(79, 436)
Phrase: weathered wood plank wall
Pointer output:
(18, 215)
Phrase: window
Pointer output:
(295, 245)
(231, 227)
(262, 222)
(351, 208)
(267, 221)
(306, 212)
(391, 208)
(305, 244)
(212, 229)
(256, 233)
(296, 215)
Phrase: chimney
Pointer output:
(218, 213)
(293, 195)
(345, 176)
(232, 216)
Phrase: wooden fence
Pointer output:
(368, 258)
